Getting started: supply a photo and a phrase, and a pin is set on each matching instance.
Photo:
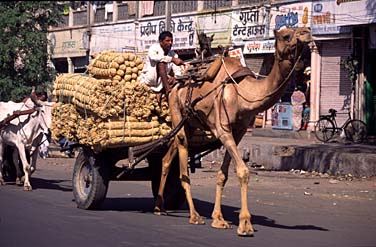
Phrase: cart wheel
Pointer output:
(174, 194)
(90, 181)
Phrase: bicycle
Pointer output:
(326, 127)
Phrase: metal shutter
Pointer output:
(335, 87)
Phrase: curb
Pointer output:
(285, 154)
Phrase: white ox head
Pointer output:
(44, 111)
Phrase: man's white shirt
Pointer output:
(149, 72)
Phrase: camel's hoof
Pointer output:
(196, 220)
(220, 224)
(28, 188)
(159, 211)
(245, 231)
(245, 234)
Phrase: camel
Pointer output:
(225, 106)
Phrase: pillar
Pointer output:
(315, 86)
(115, 12)
(70, 65)
(200, 5)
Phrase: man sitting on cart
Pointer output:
(161, 65)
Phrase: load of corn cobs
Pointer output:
(108, 107)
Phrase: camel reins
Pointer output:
(146, 149)
(269, 94)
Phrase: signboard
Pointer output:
(259, 47)
(335, 16)
(73, 43)
(219, 25)
(249, 24)
(112, 38)
(290, 15)
(182, 28)
(238, 53)
(282, 116)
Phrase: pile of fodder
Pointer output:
(105, 109)
(115, 65)
(89, 129)
(106, 97)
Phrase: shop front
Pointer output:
(70, 50)
(345, 50)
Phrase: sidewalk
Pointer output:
(284, 150)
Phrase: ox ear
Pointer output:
(35, 99)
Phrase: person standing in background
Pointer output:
(297, 101)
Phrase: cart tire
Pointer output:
(174, 194)
(90, 181)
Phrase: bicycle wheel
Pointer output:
(356, 131)
(324, 129)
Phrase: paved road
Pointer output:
(289, 209)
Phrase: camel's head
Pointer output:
(289, 42)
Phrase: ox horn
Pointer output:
(35, 99)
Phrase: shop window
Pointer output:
(101, 16)
(183, 6)
(253, 2)
(215, 4)
(159, 8)
(80, 18)
(64, 22)
(61, 65)
(123, 13)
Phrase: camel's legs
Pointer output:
(166, 164)
(182, 144)
(222, 176)
(245, 227)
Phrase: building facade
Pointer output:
(248, 27)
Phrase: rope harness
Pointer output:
(191, 112)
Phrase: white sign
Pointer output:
(219, 25)
(68, 43)
(249, 24)
(332, 16)
(238, 53)
(259, 47)
(182, 28)
(112, 38)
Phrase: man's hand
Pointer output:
(177, 61)
(171, 80)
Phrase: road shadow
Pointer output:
(231, 214)
(50, 184)
(137, 204)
